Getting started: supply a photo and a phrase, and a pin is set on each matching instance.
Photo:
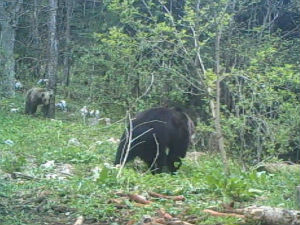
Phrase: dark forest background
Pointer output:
(233, 64)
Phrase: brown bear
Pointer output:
(35, 97)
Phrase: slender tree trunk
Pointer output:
(36, 39)
(217, 118)
(7, 61)
(8, 23)
(53, 55)
(69, 6)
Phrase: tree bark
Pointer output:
(298, 196)
(262, 215)
(53, 56)
(69, 6)
(272, 216)
(214, 104)
(217, 118)
(8, 23)
(36, 39)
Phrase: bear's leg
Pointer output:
(33, 108)
(154, 157)
(177, 151)
(28, 107)
(171, 161)
(45, 110)
(160, 159)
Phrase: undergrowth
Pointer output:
(46, 197)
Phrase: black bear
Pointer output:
(35, 97)
(153, 132)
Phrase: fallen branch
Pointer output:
(138, 199)
(134, 197)
(220, 214)
(161, 221)
(119, 203)
(16, 175)
(162, 218)
(174, 198)
(162, 213)
(178, 222)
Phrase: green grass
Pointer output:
(53, 201)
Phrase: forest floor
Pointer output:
(53, 171)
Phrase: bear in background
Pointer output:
(153, 132)
(35, 97)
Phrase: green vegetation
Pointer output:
(232, 65)
(49, 195)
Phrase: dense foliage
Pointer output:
(42, 182)
(136, 54)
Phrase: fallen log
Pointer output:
(272, 216)
(262, 214)
(279, 167)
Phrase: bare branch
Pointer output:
(157, 153)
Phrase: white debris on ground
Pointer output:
(96, 173)
(18, 85)
(113, 140)
(107, 121)
(74, 142)
(98, 142)
(62, 105)
(58, 170)
(9, 142)
(14, 110)
(84, 111)
(43, 82)
(48, 164)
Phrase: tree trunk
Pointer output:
(7, 59)
(36, 39)
(217, 118)
(69, 6)
(8, 22)
(53, 56)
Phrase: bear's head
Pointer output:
(46, 96)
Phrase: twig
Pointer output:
(157, 152)
(148, 88)
(174, 198)
(129, 135)
(21, 175)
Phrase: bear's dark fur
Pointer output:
(154, 131)
(35, 97)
